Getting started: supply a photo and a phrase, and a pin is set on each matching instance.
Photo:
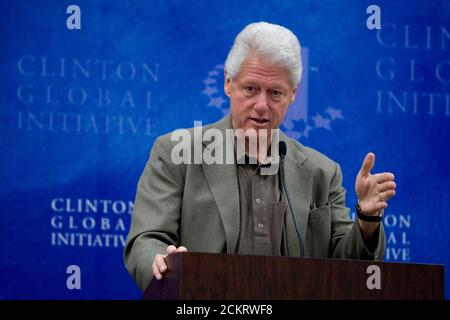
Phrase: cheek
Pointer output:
(279, 112)
(240, 104)
(237, 109)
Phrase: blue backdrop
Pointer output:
(80, 110)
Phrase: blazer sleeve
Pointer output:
(156, 213)
(346, 238)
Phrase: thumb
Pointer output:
(368, 163)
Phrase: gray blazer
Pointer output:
(197, 206)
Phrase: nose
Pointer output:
(261, 106)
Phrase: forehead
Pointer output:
(257, 70)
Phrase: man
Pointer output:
(234, 208)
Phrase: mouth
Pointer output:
(259, 122)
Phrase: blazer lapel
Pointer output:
(299, 185)
(222, 179)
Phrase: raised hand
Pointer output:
(373, 190)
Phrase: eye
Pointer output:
(276, 94)
(249, 90)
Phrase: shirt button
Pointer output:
(258, 200)
(260, 226)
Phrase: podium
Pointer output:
(193, 276)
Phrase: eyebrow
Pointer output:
(270, 87)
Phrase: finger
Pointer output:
(368, 163)
(385, 196)
(182, 249)
(156, 272)
(383, 177)
(160, 263)
(381, 205)
(387, 186)
(171, 249)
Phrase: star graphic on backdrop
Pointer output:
(334, 113)
(321, 122)
(306, 131)
(216, 102)
(209, 91)
(213, 73)
(209, 81)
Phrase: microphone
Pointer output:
(282, 149)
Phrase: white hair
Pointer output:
(269, 41)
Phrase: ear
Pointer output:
(294, 94)
(227, 84)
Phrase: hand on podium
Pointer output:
(159, 264)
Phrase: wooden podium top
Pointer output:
(193, 276)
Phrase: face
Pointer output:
(260, 95)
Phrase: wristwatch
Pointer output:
(367, 218)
